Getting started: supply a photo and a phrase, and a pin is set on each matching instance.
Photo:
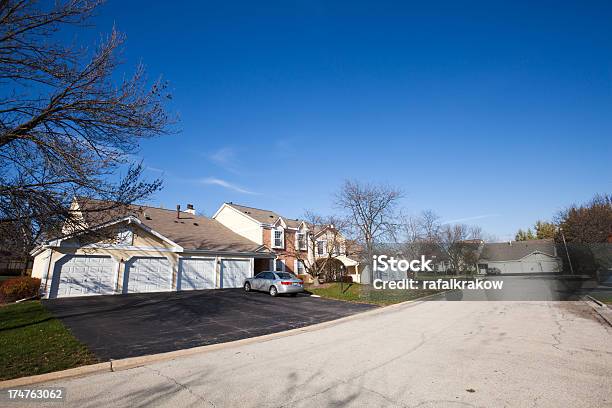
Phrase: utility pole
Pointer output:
(566, 251)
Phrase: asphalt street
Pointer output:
(430, 354)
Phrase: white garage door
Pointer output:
(147, 275)
(541, 266)
(234, 272)
(197, 274)
(80, 275)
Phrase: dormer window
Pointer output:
(278, 238)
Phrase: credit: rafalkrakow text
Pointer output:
(438, 284)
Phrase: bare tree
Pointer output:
(419, 235)
(371, 211)
(325, 241)
(426, 235)
(459, 242)
(66, 127)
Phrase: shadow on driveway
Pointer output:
(120, 326)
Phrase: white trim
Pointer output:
(325, 251)
(296, 269)
(273, 238)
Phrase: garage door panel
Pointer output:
(234, 272)
(82, 275)
(197, 273)
(147, 275)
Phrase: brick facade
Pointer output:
(287, 254)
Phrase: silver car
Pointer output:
(275, 283)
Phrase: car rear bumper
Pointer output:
(289, 289)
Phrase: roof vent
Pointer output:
(190, 209)
(196, 224)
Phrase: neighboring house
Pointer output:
(533, 256)
(289, 239)
(339, 254)
(144, 249)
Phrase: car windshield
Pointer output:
(284, 275)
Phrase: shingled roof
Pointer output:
(192, 232)
(265, 216)
(515, 250)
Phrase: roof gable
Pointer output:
(264, 216)
(516, 250)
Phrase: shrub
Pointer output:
(18, 288)
(346, 279)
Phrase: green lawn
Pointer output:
(604, 297)
(33, 342)
(354, 292)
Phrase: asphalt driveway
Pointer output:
(132, 325)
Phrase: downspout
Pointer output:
(48, 269)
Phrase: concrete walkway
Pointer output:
(432, 354)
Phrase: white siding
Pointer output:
(240, 224)
(534, 263)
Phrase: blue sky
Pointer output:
(495, 114)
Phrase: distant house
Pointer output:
(533, 256)
(12, 265)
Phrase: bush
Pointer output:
(18, 288)
(346, 279)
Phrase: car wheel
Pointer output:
(247, 287)
(273, 291)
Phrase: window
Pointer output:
(279, 265)
(124, 237)
(278, 239)
(285, 275)
(299, 267)
(300, 239)
(322, 247)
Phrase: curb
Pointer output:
(57, 375)
(600, 308)
(133, 362)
